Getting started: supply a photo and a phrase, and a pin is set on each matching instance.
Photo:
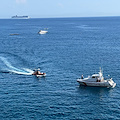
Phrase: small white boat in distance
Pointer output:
(42, 32)
(96, 80)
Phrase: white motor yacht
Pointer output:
(97, 80)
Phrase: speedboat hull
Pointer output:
(41, 75)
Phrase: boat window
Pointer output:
(93, 76)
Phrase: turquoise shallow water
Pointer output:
(72, 46)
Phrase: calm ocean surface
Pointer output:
(72, 46)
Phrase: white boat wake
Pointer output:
(12, 69)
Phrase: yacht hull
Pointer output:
(105, 83)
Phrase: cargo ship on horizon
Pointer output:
(20, 17)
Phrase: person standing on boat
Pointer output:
(37, 72)
(82, 76)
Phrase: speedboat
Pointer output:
(42, 32)
(37, 73)
(97, 80)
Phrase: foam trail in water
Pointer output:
(22, 73)
(16, 70)
(28, 70)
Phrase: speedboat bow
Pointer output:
(41, 75)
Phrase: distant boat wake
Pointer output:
(11, 69)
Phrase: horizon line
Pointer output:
(66, 17)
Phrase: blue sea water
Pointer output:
(72, 46)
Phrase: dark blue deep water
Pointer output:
(72, 46)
